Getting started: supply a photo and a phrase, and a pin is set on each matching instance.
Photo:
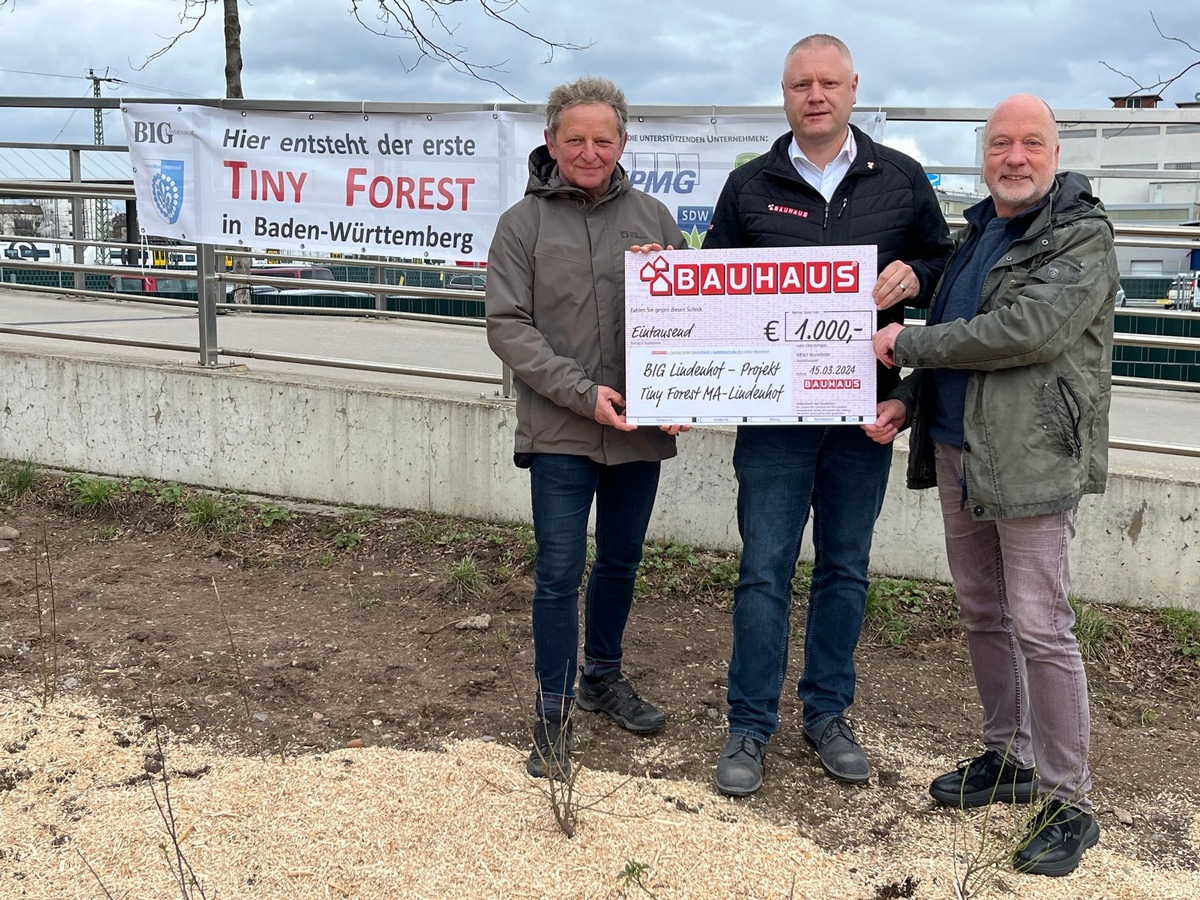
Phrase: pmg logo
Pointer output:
(664, 173)
(692, 279)
(152, 133)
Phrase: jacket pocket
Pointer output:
(1060, 416)
(1060, 271)
(1041, 279)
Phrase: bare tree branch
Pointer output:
(421, 22)
(191, 14)
(188, 14)
(435, 40)
(1162, 83)
(1167, 37)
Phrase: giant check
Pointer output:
(750, 337)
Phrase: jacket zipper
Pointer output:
(1071, 403)
(841, 209)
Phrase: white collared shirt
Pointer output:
(825, 180)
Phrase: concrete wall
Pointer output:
(361, 445)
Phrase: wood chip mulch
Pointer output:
(83, 815)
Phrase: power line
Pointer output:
(147, 87)
(43, 74)
(66, 123)
(114, 81)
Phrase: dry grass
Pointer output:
(466, 822)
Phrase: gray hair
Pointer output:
(822, 40)
(587, 89)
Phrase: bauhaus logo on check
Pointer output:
(718, 278)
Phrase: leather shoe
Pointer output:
(740, 766)
(839, 750)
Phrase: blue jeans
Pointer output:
(782, 472)
(563, 488)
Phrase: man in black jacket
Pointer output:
(825, 183)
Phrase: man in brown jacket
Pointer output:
(556, 316)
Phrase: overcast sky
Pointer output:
(967, 53)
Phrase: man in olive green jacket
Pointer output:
(1009, 414)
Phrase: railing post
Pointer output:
(133, 231)
(208, 290)
(77, 203)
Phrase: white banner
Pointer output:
(394, 185)
(414, 185)
(750, 337)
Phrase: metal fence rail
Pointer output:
(215, 284)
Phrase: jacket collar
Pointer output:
(983, 212)
(545, 179)
(866, 161)
(866, 156)
(1070, 198)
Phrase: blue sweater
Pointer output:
(959, 298)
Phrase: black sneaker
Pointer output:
(615, 696)
(990, 778)
(1057, 838)
(553, 740)
(839, 751)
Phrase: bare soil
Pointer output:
(281, 629)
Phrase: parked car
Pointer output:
(310, 273)
(255, 289)
(316, 273)
(151, 284)
(472, 281)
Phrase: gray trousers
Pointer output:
(1012, 577)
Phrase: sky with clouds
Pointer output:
(971, 53)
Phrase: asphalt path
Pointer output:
(1139, 414)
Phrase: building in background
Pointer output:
(1155, 180)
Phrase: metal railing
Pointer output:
(211, 284)
(214, 283)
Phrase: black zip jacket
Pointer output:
(885, 199)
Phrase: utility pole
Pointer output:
(103, 217)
